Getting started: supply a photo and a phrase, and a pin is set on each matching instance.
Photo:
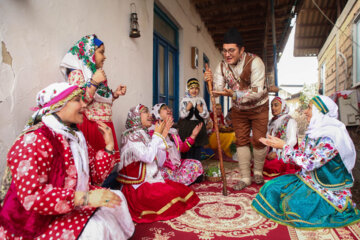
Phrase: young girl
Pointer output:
(150, 197)
(193, 111)
(184, 171)
(283, 126)
(82, 66)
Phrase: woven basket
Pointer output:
(213, 179)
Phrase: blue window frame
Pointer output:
(165, 62)
(206, 93)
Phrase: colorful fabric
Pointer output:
(184, 171)
(155, 111)
(94, 137)
(95, 110)
(153, 198)
(316, 197)
(318, 102)
(288, 201)
(284, 127)
(51, 99)
(193, 114)
(159, 201)
(226, 139)
(135, 139)
(247, 99)
(327, 125)
(30, 162)
(220, 119)
(311, 155)
(193, 82)
(82, 57)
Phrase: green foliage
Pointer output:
(213, 171)
(307, 93)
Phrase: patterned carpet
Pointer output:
(231, 217)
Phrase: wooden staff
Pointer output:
(212, 98)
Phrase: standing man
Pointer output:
(244, 73)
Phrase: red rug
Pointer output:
(231, 217)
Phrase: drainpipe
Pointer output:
(337, 62)
(274, 43)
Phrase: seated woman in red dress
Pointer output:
(53, 193)
(283, 126)
(150, 197)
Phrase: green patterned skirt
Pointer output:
(289, 201)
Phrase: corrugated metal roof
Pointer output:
(312, 27)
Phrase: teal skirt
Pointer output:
(289, 201)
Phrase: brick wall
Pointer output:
(345, 67)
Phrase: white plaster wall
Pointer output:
(184, 15)
(38, 33)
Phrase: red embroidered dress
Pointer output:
(149, 196)
(29, 160)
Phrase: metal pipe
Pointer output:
(274, 43)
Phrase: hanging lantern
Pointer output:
(134, 26)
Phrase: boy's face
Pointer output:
(194, 91)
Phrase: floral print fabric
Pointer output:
(313, 154)
(95, 111)
(29, 160)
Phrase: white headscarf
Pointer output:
(327, 125)
(277, 120)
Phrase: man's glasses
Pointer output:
(230, 51)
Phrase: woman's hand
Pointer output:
(103, 198)
(196, 130)
(189, 106)
(97, 198)
(120, 91)
(107, 135)
(169, 122)
(159, 127)
(271, 156)
(99, 76)
(273, 142)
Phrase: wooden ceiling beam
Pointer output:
(247, 28)
(220, 5)
(311, 37)
(305, 25)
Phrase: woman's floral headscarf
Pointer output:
(52, 99)
(155, 111)
(135, 138)
(82, 57)
(277, 121)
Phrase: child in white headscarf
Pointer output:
(184, 171)
(319, 195)
(193, 111)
